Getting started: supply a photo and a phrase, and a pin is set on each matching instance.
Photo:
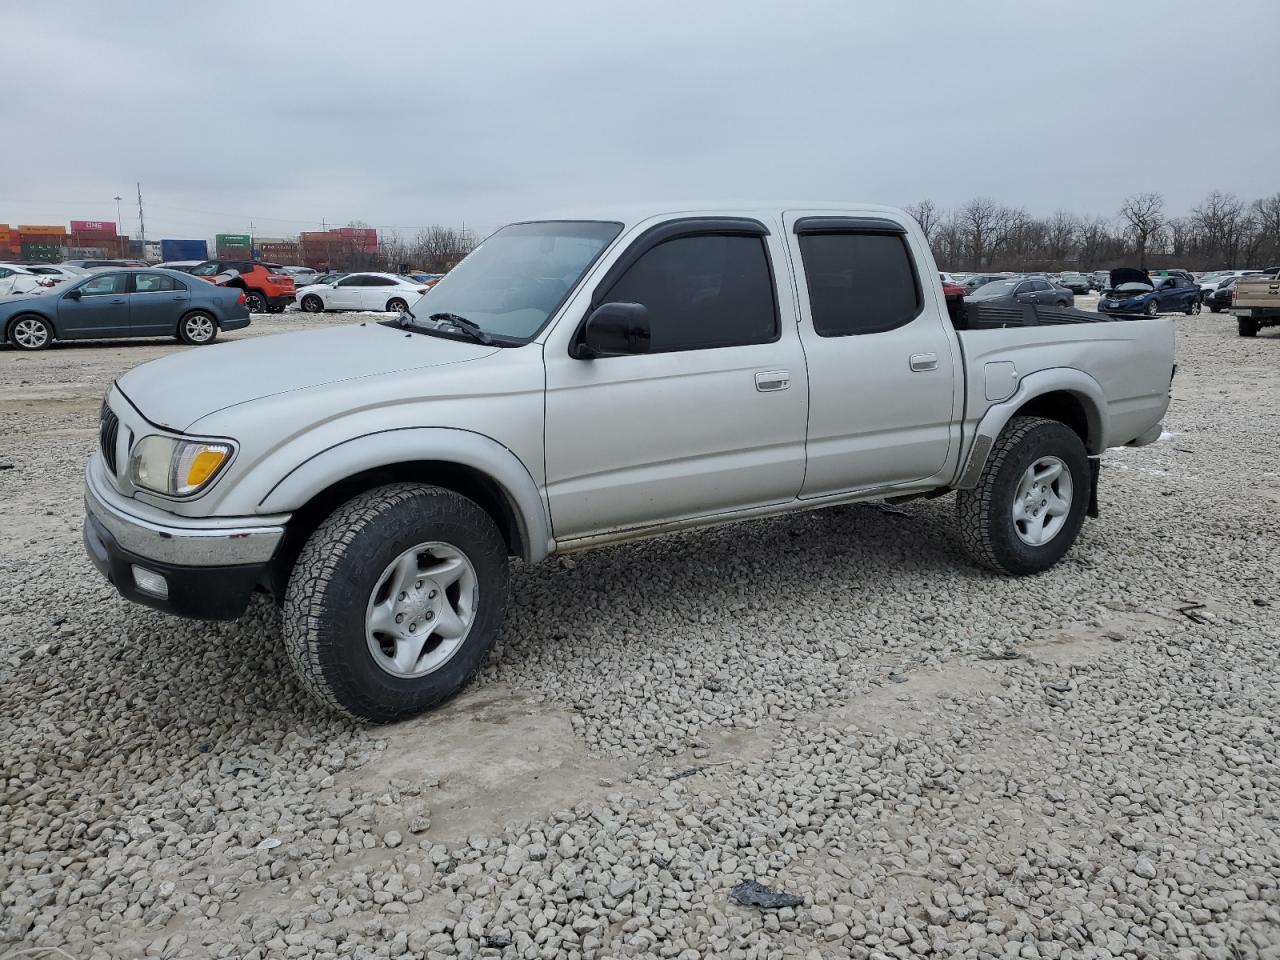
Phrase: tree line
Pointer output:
(1221, 232)
(434, 249)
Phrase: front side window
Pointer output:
(514, 282)
(356, 281)
(153, 283)
(703, 292)
(859, 282)
(104, 285)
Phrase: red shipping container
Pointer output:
(96, 227)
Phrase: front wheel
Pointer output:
(395, 600)
(396, 305)
(1152, 308)
(197, 328)
(1247, 326)
(312, 304)
(31, 333)
(1029, 504)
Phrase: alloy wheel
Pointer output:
(1042, 501)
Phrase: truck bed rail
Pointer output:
(983, 316)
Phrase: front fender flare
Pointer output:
(406, 445)
(1057, 380)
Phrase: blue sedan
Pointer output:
(1133, 291)
(124, 303)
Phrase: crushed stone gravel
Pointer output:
(935, 760)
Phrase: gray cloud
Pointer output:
(401, 113)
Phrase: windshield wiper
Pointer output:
(474, 330)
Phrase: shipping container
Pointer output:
(42, 252)
(42, 230)
(184, 250)
(99, 227)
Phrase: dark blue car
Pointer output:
(1134, 291)
(124, 303)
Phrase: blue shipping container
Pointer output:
(184, 250)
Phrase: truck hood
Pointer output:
(176, 391)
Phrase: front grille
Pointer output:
(108, 431)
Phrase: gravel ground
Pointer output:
(934, 760)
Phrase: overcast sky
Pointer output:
(282, 115)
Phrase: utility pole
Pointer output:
(118, 199)
(142, 225)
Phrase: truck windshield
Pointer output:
(516, 279)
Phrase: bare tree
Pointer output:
(438, 248)
(1221, 222)
(978, 220)
(1144, 213)
(926, 214)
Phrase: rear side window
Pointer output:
(703, 292)
(153, 283)
(859, 282)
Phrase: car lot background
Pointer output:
(834, 703)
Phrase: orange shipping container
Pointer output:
(42, 230)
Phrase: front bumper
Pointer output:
(209, 568)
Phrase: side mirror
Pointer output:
(74, 294)
(614, 330)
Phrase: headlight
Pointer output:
(176, 468)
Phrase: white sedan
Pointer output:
(15, 279)
(361, 291)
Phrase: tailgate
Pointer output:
(1258, 293)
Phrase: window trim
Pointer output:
(128, 282)
(680, 229)
(857, 226)
(178, 285)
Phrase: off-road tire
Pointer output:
(986, 521)
(1247, 326)
(312, 304)
(336, 572)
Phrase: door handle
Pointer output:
(117, 301)
(769, 381)
(921, 362)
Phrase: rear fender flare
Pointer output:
(1058, 380)
(405, 445)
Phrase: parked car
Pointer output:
(15, 279)
(1099, 280)
(267, 288)
(951, 288)
(1075, 282)
(1220, 299)
(98, 264)
(362, 291)
(1171, 272)
(330, 278)
(302, 276)
(58, 273)
(1133, 291)
(186, 266)
(575, 383)
(974, 281)
(1256, 302)
(1022, 290)
(124, 303)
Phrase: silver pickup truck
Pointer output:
(589, 380)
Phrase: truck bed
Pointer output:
(985, 316)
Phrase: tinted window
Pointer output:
(701, 292)
(154, 283)
(1040, 285)
(103, 285)
(859, 282)
(382, 282)
(5, 272)
(351, 282)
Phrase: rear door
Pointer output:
(156, 301)
(100, 310)
(880, 354)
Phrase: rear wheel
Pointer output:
(1214, 308)
(395, 600)
(312, 304)
(1247, 326)
(255, 301)
(31, 333)
(1029, 504)
(1193, 308)
(197, 328)
(396, 305)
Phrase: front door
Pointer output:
(881, 367)
(347, 292)
(155, 304)
(100, 310)
(712, 419)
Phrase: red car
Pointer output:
(952, 290)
